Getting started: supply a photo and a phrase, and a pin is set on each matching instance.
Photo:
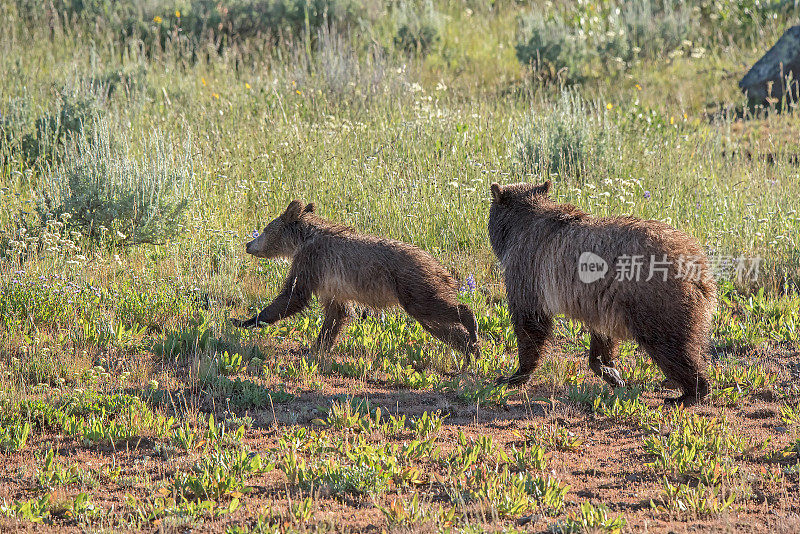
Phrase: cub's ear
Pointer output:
(293, 211)
(497, 191)
(310, 208)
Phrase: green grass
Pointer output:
(121, 376)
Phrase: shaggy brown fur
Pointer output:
(539, 243)
(343, 267)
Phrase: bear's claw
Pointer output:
(517, 379)
(612, 376)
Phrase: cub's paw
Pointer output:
(517, 379)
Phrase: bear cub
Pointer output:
(343, 267)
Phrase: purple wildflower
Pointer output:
(647, 194)
(471, 283)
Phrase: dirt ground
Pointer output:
(608, 467)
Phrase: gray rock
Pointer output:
(768, 77)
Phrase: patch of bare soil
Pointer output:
(607, 468)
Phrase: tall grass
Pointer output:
(392, 143)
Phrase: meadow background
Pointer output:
(142, 144)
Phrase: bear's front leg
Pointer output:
(337, 315)
(533, 337)
(603, 351)
(295, 295)
(242, 323)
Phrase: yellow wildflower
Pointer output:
(638, 87)
(246, 85)
(609, 105)
(215, 95)
(157, 19)
(672, 120)
(299, 92)
(177, 13)
(204, 81)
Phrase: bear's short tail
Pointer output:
(708, 289)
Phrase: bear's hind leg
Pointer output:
(446, 321)
(682, 362)
(602, 353)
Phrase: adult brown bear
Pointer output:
(556, 260)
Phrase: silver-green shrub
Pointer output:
(564, 140)
(581, 40)
(417, 26)
(551, 48)
(656, 28)
(31, 136)
(111, 195)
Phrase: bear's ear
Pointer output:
(543, 189)
(293, 211)
(497, 191)
(310, 208)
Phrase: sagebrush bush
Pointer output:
(581, 43)
(417, 27)
(563, 140)
(16, 138)
(656, 28)
(551, 48)
(108, 194)
(742, 21)
(30, 138)
(223, 22)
